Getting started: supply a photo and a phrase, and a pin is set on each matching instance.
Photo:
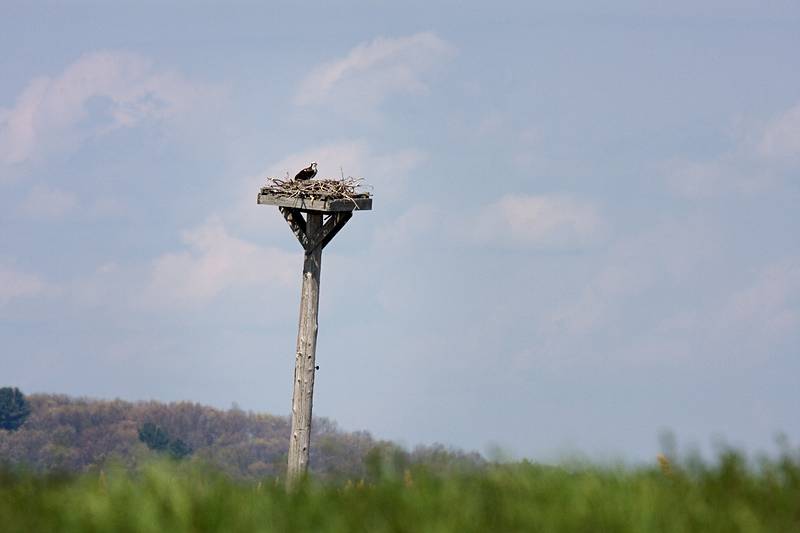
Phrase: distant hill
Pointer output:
(78, 434)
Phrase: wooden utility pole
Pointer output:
(323, 220)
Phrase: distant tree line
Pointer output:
(48, 432)
(14, 408)
(156, 438)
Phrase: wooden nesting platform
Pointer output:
(315, 212)
(327, 205)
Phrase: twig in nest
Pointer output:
(317, 189)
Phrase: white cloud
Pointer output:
(599, 302)
(373, 70)
(747, 323)
(215, 261)
(661, 296)
(656, 260)
(48, 202)
(58, 112)
(15, 285)
(108, 206)
(781, 137)
(405, 230)
(770, 305)
(737, 172)
(547, 220)
(761, 158)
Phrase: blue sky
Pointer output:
(584, 230)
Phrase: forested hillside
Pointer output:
(76, 434)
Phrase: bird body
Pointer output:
(307, 173)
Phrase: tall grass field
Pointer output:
(728, 495)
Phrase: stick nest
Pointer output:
(348, 188)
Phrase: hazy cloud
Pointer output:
(545, 220)
(373, 70)
(658, 259)
(770, 305)
(761, 158)
(781, 137)
(93, 96)
(735, 172)
(47, 202)
(403, 231)
(745, 324)
(15, 284)
(214, 261)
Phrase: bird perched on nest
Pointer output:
(307, 173)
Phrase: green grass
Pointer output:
(728, 496)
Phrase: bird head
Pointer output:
(314, 165)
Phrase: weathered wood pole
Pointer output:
(313, 236)
(305, 356)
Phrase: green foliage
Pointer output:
(178, 449)
(730, 495)
(14, 408)
(154, 437)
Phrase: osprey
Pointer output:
(307, 173)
